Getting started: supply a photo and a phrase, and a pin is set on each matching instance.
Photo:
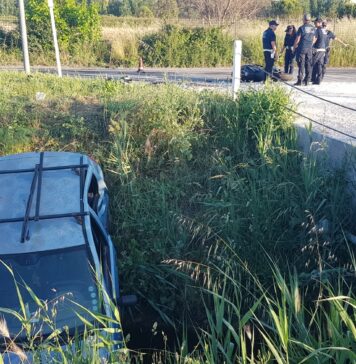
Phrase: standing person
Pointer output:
(289, 39)
(330, 37)
(270, 47)
(319, 50)
(303, 50)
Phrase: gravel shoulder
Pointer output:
(327, 114)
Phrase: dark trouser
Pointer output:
(318, 63)
(305, 61)
(326, 61)
(289, 61)
(269, 63)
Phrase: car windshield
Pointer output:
(59, 277)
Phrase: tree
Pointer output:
(166, 8)
(76, 23)
(224, 11)
(290, 8)
(102, 5)
(134, 7)
(329, 8)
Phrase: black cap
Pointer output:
(289, 27)
(318, 20)
(273, 22)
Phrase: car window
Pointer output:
(63, 278)
(103, 251)
(93, 193)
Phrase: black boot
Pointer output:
(298, 83)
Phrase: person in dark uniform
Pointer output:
(330, 37)
(289, 39)
(319, 50)
(303, 47)
(270, 47)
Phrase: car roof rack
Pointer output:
(37, 179)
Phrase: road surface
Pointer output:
(213, 76)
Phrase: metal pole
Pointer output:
(55, 40)
(26, 58)
(236, 72)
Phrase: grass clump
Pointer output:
(205, 193)
(187, 47)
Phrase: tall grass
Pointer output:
(286, 322)
(246, 322)
(205, 185)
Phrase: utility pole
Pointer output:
(26, 58)
(236, 72)
(55, 40)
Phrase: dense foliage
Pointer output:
(187, 47)
(206, 193)
(76, 22)
(329, 8)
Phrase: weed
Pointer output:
(219, 187)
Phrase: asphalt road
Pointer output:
(212, 76)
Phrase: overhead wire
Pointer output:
(318, 97)
(320, 123)
(308, 93)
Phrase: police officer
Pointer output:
(289, 39)
(303, 46)
(330, 36)
(270, 47)
(319, 50)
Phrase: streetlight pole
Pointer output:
(26, 58)
(55, 40)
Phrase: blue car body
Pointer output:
(54, 238)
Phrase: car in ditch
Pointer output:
(54, 246)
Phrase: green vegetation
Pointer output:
(78, 26)
(184, 47)
(124, 39)
(220, 222)
(170, 33)
(245, 323)
(329, 8)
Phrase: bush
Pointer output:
(184, 47)
(9, 40)
(289, 7)
(77, 23)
